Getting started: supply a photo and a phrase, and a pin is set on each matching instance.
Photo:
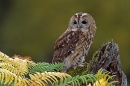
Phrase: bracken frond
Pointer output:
(42, 67)
(77, 80)
(7, 78)
(103, 79)
(99, 79)
(42, 79)
(4, 57)
(16, 65)
(21, 70)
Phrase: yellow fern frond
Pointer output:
(42, 79)
(22, 70)
(8, 77)
(3, 57)
(16, 65)
(103, 79)
(101, 82)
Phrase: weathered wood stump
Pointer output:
(108, 58)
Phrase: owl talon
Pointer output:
(81, 65)
(74, 67)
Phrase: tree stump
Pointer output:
(108, 59)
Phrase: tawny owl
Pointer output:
(73, 45)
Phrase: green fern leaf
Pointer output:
(77, 80)
(42, 67)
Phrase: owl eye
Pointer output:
(84, 22)
(75, 22)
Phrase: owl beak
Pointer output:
(78, 26)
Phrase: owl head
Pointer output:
(82, 21)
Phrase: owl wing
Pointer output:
(65, 45)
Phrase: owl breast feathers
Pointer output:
(73, 45)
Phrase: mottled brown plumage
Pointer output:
(73, 45)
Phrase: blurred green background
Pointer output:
(30, 28)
